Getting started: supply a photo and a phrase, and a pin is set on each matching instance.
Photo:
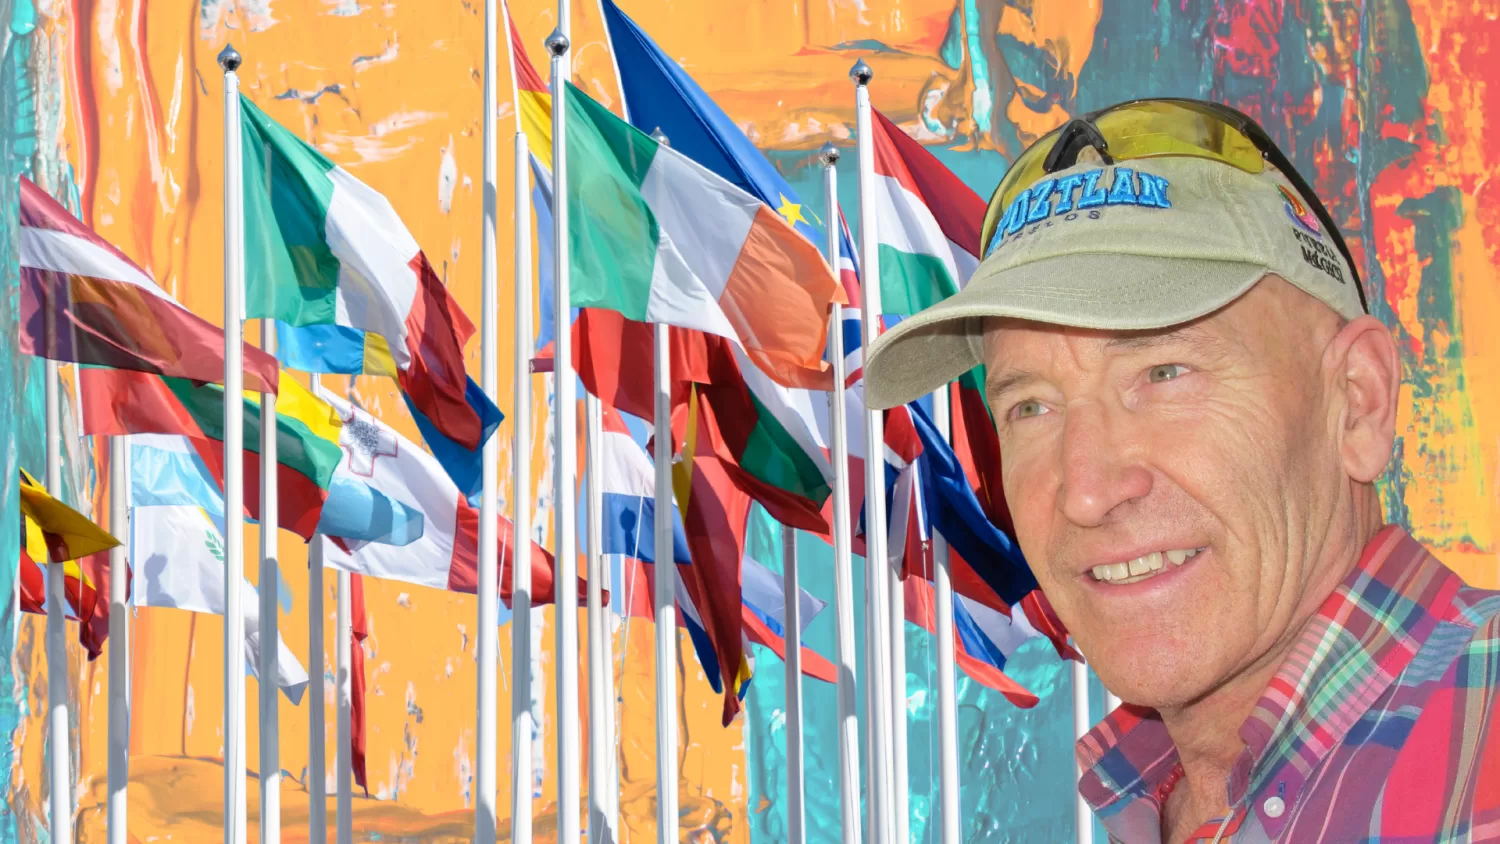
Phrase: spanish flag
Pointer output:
(55, 532)
(533, 99)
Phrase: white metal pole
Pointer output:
(343, 752)
(606, 665)
(792, 622)
(317, 760)
(947, 694)
(564, 591)
(119, 640)
(60, 753)
(234, 439)
(600, 645)
(878, 579)
(270, 721)
(1083, 816)
(488, 637)
(317, 738)
(896, 619)
(843, 575)
(520, 625)
(666, 597)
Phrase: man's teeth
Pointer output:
(1144, 566)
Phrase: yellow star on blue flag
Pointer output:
(791, 211)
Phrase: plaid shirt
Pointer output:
(1383, 723)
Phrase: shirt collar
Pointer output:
(1346, 656)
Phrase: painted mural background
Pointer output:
(116, 107)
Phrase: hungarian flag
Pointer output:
(927, 227)
(659, 238)
(323, 248)
(84, 301)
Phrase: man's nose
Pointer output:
(1102, 468)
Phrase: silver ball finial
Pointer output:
(861, 73)
(660, 137)
(230, 58)
(829, 154)
(557, 43)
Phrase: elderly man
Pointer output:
(1193, 406)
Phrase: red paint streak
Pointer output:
(145, 202)
(85, 109)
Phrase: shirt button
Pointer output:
(1274, 807)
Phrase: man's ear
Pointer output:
(1367, 368)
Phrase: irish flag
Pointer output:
(927, 222)
(323, 248)
(84, 301)
(659, 238)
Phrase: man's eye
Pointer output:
(1027, 408)
(1165, 372)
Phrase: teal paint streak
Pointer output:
(17, 145)
(1393, 84)
(1439, 372)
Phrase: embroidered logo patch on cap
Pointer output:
(1079, 195)
(1298, 212)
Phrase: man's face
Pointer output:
(1169, 488)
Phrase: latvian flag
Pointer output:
(84, 301)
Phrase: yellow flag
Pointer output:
(66, 533)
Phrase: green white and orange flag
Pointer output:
(659, 238)
(927, 223)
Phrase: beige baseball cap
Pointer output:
(1142, 244)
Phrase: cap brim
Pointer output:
(1108, 291)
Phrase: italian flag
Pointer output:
(659, 238)
(927, 223)
(323, 248)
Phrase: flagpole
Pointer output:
(601, 669)
(270, 721)
(317, 759)
(599, 826)
(947, 696)
(520, 624)
(843, 575)
(119, 641)
(488, 643)
(792, 618)
(666, 586)
(234, 441)
(343, 751)
(60, 753)
(896, 618)
(565, 592)
(1083, 816)
(877, 579)
(666, 600)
